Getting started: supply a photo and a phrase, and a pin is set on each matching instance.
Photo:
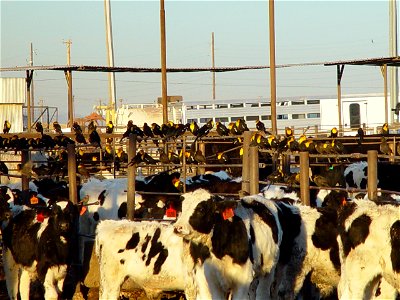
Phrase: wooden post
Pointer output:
(275, 161)
(131, 146)
(184, 164)
(246, 162)
(304, 178)
(254, 170)
(286, 164)
(372, 174)
(202, 148)
(24, 178)
(316, 130)
(73, 194)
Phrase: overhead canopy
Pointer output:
(389, 61)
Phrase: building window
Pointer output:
(265, 104)
(298, 116)
(209, 106)
(355, 117)
(236, 118)
(282, 117)
(266, 117)
(222, 105)
(312, 101)
(223, 119)
(252, 118)
(190, 107)
(205, 120)
(282, 103)
(236, 105)
(191, 120)
(300, 102)
(313, 115)
(252, 104)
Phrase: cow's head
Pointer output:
(200, 211)
(63, 216)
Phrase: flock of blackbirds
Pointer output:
(261, 138)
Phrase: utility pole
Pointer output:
(163, 63)
(394, 90)
(32, 92)
(112, 105)
(272, 68)
(68, 76)
(213, 64)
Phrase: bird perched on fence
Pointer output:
(205, 129)
(241, 126)
(76, 127)
(260, 126)
(4, 169)
(194, 128)
(384, 147)
(288, 132)
(156, 129)
(163, 156)
(39, 127)
(146, 158)
(109, 130)
(57, 127)
(199, 157)
(221, 129)
(360, 134)
(137, 159)
(83, 171)
(92, 126)
(385, 129)
(233, 129)
(79, 137)
(320, 180)
(94, 138)
(6, 127)
(173, 157)
(334, 133)
(223, 158)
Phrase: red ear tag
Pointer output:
(34, 200)
(344, 201)
(83, 210)
(171, 212)
(40, 217)
(228, 213)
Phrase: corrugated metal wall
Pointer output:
(12, 90)
(12, 113)
(12, 98)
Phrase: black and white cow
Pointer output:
(37, 245)
(369, 249)
(230, 246)
(147, 252)
(356, 176)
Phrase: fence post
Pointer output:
(184, 169)
(254, 170)
(304, 178)
(24, 178)
(286, 164)
(202, 148)
(73, 194)
(245, 162)
(131, 147)
(372, 174)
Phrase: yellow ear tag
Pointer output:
(34, 200)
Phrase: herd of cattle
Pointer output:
(264, 246)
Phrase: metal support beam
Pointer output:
(304, 178)
(272, 68)
(372, 174)
(68, 77)
(163, 63)
(246, 162)
(340, 69)
(384, 74)
(29, 76)
(254, 170)
(73, 194)
(131, 148)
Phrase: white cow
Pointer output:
(147, 252)
(232, 246)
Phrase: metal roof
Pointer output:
(389, 61)
(127, 69)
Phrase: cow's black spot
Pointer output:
(202, 219)
(325, 234)
(350, 180)
(199, 252)
(96, 216)
(102, 197)
(146, 242)
(121, 250)
(363, 183)
(265, 214)
(365, 171)
(160, 261)
(156, 246)
(395, 242)
(252, 235)
(133, 241)
(122, 261)
(357, 233)
(230, 238)
(291, 224)
(122, 210)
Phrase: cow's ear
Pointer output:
(223, 205)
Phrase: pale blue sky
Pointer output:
(306, 31)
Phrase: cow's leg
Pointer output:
(24, 284)
(110, 281)
(54, 281)
(11, 272)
